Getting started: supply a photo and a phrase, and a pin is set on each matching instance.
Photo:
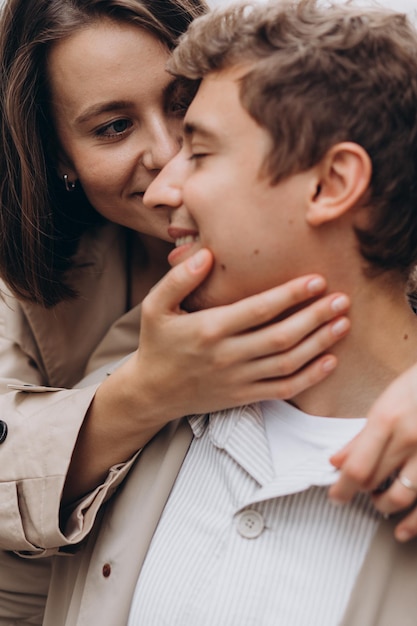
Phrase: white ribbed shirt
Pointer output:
(248, 536)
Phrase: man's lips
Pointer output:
(176, 232)
(184, 241)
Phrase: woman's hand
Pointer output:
(386, 448)
(205, 361)
(235, 354)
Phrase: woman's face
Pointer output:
(116, 117)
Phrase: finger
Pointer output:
(401, 494)
(285, 388)
(314, 328)
(263, 307)
(359, 467)
(394, 456)
(290, 361)
(407, 528)
(300, 326)
(315, 343)
(180, 281)
(384, 444)
(338, 458)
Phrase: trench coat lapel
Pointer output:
(79, 588)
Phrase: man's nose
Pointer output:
(166, 189)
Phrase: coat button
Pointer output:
(3, 431)
(106, 570)
(250, 524)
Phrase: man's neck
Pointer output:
(382, 343)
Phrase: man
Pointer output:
(300, 155)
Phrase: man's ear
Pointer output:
(342, 178)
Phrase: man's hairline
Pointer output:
(192, 128)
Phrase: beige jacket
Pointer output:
(54, 348)
(96, 584)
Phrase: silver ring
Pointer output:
(406, 482)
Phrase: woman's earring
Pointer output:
(69, 185)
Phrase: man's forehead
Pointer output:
(216, 96)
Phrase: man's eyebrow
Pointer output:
(191, 129)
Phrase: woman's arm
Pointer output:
(42, 429)
(205, 361)
(385, 449)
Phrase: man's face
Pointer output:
(219, 199)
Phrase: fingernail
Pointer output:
(340, 327)
(341, 303)
(197, 260)
(403, 535)
(316, 285)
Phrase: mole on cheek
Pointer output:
(255, 252)
(223, 267)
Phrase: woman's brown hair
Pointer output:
(40, 223)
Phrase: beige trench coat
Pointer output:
(96, 585)
(54, 348)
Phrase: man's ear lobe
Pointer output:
(342, 178)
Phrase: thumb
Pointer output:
(181, 280)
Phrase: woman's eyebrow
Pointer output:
(97, 109)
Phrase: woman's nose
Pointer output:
(163, 145)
